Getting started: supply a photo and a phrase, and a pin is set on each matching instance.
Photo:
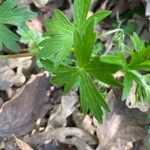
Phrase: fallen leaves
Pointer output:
(57, 129)
(8, 77)
(64, 126)
(122, 127)
(64, 110)
(65, 135)
(18, 115)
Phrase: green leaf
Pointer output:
(56, 48)
(99, 16)
(147, 78)
(8, 5)
(117, 59)
(58, 45)
(98, 48)
(103, 71)
(144, 66)
(8, 38)
(139, 57)
(127, 84)
(147, 88)
(30, 37)
(130, 27)
(59, 25)
(81, 8)
(136, 76)
(143, 85)
(63, 75)
(12, 16)
(137, 42)
(118, 41)
(48, 65)
(16, 16)
(84, 44)
(91, 99)
(147, 91)
(68, 78)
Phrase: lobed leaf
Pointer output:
(63, 75)
(59, 25)
(143, 66)
(16, 16)
(127, 84)
(139, 57)
(12, 16)
(8, 38)
(81, 8)
(58, 45)
(103, 71)
(8, 5)
(137, 42)
(56, 48)
(90, 97)
(117, 59)
(84, 44)
(99, 16)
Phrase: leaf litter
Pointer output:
(29, 115)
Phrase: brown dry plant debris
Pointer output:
(18, 116)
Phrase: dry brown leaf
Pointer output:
(19, 115)
(78, 118)
(40, 3)
(121, 126)
(35, 24)
(7, 80)
(22, 145)
(88, 124)
(61, 135)
(8, 77)
(83, 122)
(67, 107)
(79, 144)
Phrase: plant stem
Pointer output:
(109, 32)
(16, 56)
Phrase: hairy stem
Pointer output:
(110, 32)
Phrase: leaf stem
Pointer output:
(109, 32)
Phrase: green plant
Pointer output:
(137, 69)
(9, 15)
(67, 51)
(78, 38)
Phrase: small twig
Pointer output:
(16, 56)
(113, 31)
(109, 33)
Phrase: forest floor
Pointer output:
(36, 115)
